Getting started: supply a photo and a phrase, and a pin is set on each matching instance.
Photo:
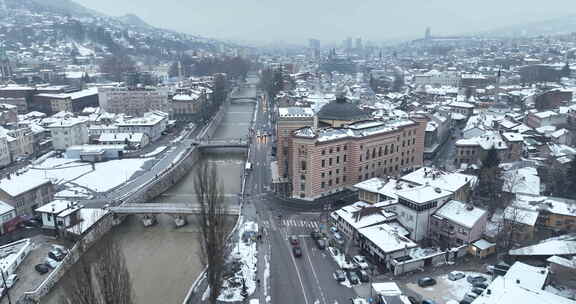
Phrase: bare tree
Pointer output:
(511, 228)
(212, 219)
(100, 277)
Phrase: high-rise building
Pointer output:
(359, 45)
(428, 34)
(314, 44)
(5, 66)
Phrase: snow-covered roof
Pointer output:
(461, 104)
(553, 247)
(356, 130)
(61, 208)
(527, 276)
(5, 208)
(483, 244)
(451, 181)
(371, 185)
(460, 213)
(386, 238)
(519, 215)
(423, 194)
(386, 288)
(18, 184)
(553, 205)
(121, 137)
(507, 291)
(361, 214)
(295, 112)
(522, 181)
(569, 263)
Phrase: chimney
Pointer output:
(517, 281)
(488, 291)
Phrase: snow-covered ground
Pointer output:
(100, 178)
(445, 289)
(155, 152)
(246, 254)
(74, 192)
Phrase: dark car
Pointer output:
(428, 302)
(353, 278)
(340, 275)
(413, 300)
(42, 268)
(477, 290)
(480, 285)
(321, 244)
(293, 240)
(426, 281)
(476, 279)
(297, 251)
(56, 255)
(363, 275)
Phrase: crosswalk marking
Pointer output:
(300, 224)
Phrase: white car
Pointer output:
(360, 261)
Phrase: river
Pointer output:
(163, 260)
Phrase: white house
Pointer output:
(59, 214)
(68, 132)
(151, 124)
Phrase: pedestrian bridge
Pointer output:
(222, 143)
(159, 208)
(251, 98)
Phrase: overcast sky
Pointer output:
(332, 20)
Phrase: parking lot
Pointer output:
(445, 290)
(29, 279)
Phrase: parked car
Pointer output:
(413, 300)
(470, 297)
(51, 263)
(476, 279)
(426, 281)
(360, 261)
(293, 240)
(56, 254)
(363, 275)
(340, 275)
(477, 290)
(11, 280)
(353, 278)
(480, 285)
(321, 244)
(455, 275)
(334, 229)
(428, 302)
(297, 251)
(42, 268)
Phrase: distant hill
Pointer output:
(133, 20)
(60, 26)
(556, 26)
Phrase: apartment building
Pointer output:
(133, 101)
(457, 223)
(68, 132)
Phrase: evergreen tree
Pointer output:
(571, 179)
(489, 180)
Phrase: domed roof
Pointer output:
(341, 109)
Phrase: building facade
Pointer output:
(133, 102)
(69, 132)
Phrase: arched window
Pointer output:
(386, 150)
(380, 152)
(367, 154)
(374, 153)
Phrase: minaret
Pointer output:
(498, 85)
(428, 34)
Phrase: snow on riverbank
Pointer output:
(155, 152)
(246, 255)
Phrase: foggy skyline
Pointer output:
(331, 21)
